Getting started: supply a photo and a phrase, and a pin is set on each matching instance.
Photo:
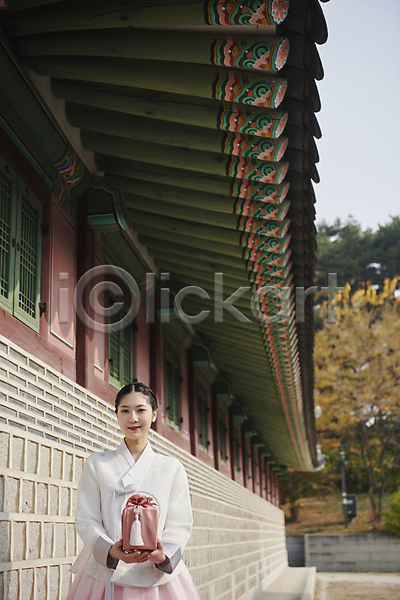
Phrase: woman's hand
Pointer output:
(157, 556)
(131, 556)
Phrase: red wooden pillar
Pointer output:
(231, 446)
(253, 467)
(265, 467)
(269, 483)
(215, 427)
(278, 492)
(263, 482)
(84, 335)
(273, 476)
(192, 399)
(256, 468)
(259, 473)
(245, 458)
(45, 285)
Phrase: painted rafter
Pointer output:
(98, 14)
(173, 134)
(260, 53)
(251, 89)
(174, 108)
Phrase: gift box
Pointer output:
(140, 523)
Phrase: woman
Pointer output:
(104, 570)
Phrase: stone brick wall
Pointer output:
(356, 552)
(48, 425)
(296, 550)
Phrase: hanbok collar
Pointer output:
(134, 471)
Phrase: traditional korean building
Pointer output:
(157, 158)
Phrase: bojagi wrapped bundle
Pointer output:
(140, 523)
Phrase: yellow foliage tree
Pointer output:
(357, 379)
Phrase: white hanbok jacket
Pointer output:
(107, 480)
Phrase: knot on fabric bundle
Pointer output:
(141, 500)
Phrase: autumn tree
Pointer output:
(357, 374)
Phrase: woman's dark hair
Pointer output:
(136, 386)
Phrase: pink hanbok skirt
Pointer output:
(85, 587)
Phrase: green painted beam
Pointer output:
(181, 212)
(242, 304)
(186, 276)
(237, 365)
(140, 219)
(261, 404)
(150, 75)
(243, 359)
(164, 175)
(164, 106)
(103, 15)
(198, 243)
(187, 47)
(193, 305)
(172, 257)
(174, 194)
(212, 163)
(192, 272)
(144, 130)
(169, 176)
(252, 344)
(189, 253)
(248, 385)
(177, 78)
(241, 363)
(181, 276)
(19, 5)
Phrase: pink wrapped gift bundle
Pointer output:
(140, 523)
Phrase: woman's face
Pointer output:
(135, 415)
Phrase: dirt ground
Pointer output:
(357, 586)
(324, 515)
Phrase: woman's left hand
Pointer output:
(157, 556)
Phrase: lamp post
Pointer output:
(342, 463)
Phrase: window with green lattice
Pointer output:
(202, 418)
(20, 248)
(222, 441)
(120, 357)
(237, 454)
(173, 381)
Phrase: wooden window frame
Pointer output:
(172, 391)
(16, 279)
(202, 416)
(223, 440)
(237, 448)
(124, 378)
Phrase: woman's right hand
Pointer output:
(133, 556)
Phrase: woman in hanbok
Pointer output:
(104, 570)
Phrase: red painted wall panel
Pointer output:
(62, 315)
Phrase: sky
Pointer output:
(360, 116)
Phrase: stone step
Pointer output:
(294, 583)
